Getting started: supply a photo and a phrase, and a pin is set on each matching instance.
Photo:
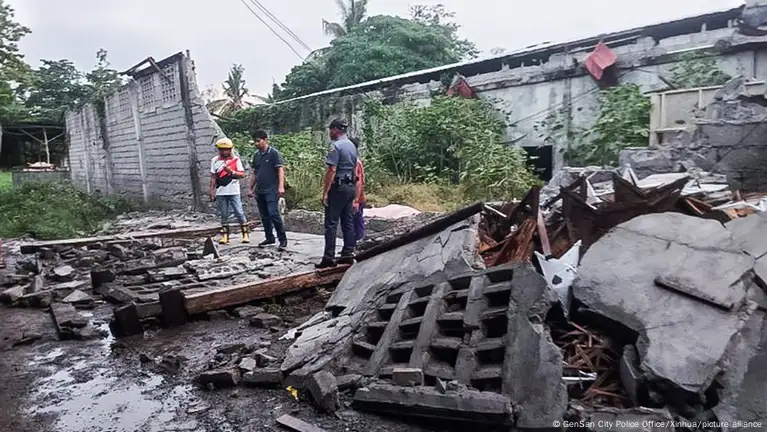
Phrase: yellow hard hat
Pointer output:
(224, 143)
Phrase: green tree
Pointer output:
(378, 47)
(385, 46)
(102, 80)
(234, 93)
(624, 121)
(352, 14)
(53, 87)
(13, 69)
(436, 16)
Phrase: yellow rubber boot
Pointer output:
(224, 235)
(245, 233)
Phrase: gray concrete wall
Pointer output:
(22, 177)
(153, 144)
(531, 92)
(729, 139)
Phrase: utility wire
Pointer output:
(272, 29)
(282, 25)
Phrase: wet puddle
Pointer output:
(89, 391)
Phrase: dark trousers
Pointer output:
(270, 215)
(340, 200)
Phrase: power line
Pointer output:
(272, 29)
(279, 23)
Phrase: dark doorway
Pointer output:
(541, 160)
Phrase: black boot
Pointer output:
(346, 259)
(325, 263)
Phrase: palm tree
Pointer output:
(235, 93)
(352, 14)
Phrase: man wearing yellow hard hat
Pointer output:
(226, 170)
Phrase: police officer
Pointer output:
(339, 195)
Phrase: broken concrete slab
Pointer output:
(248, 312)
(78, 298)
(40, 299)
(210, 248)
(535, 386)
(297, 425)
(407, 377)
(166, 274)
(358, 289)
(263, 359)
(266, 377)
(631, 256)
(750, 234)
(247, 364)
(220, 378)
(63, 273)
(467, 406)
(265, 320)
(11, 295)
(628, 368)
(230, 348)
(324, 390)
(221, 268)
(743, 397)
(350, 382)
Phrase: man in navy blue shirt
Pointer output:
(267, 184)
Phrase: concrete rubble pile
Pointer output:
(664, 321)
(137, 258)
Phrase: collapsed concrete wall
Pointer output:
(727, 139)
(152, 143)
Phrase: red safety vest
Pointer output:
(231, 163)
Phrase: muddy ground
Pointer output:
(102, 385)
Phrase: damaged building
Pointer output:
(635, 295)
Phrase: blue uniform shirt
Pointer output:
(343, 156)
(265, 165)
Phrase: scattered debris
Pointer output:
(467, 406)
(248, 364)
(220, 378)
(297, 425)
(264, 377)
(264, 320)
(407, 377)
(324, 390)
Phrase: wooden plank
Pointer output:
(429, 229)
(223, 298)
(297, 425)
(29, 248)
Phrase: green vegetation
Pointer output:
(6, 180)
(696, 71)
(452, 142)
(51, 211)
(624, 120)
(433, 158)
(369, 48)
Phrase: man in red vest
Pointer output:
(226, 170)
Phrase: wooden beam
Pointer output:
(430, 229)
(241, 294)
(29, 248)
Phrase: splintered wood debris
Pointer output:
(592, 362)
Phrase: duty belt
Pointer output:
(345, 180)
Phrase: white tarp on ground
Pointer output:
(391, 211)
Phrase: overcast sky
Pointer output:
(222, 32)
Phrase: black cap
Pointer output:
(338, 124)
